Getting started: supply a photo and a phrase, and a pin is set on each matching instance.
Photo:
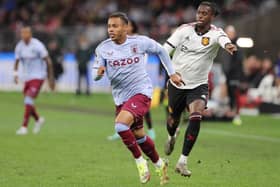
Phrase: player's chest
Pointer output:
(196, 43)
(29, 52)
(123, 57)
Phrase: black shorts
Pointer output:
(179, 99)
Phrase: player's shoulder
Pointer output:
(103, 46)
(216, 29)
(19, 44)
(187, 26)
(104, 43)
(36, 42)
(138, 37)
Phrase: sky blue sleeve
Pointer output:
(151, 46)
(98, 59)
(98, 62)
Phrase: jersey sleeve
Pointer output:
(223, 38)
(98, 59)
(42, 50)
(151, 46)
(98, 62)
(174, 40)
(17, 52)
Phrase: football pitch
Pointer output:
(72, 149)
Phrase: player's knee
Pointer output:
(139, 133)
(173, 120)
(195, 116)
(28, 100)
(125, 117)
(120, 127)
(141, 140)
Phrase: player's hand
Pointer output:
(176, 79)
(51, 85)
(16, 79)
(100, 71)
(230, 48)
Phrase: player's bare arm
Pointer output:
(229, 47)
(50, 73)
(16, 71)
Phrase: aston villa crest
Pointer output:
(134, 49)
(205, 41)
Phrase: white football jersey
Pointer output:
(31, 56)
(194, 54)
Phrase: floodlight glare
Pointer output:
(244, 42)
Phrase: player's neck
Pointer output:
(121, 40)
(200, 30)
(27, 41)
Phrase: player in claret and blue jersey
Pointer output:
(122, 57)
(36, 66)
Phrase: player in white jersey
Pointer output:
(133, 30)
(122, 57)
(36, 67)
(195, 46)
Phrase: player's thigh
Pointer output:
(33, 87)
(134, 110)
(197, 98)
(125, 117)
(176, 101)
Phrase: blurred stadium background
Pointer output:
(72, 149)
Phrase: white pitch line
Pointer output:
(245, 136)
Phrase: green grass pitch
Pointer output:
(72, 149)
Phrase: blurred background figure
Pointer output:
(278, 69)
(218, 107)
(269, 88)
(56, 56)
(232, 67)
(83, 55)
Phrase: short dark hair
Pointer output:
(120, 15)
(27, 27)
(134, 26)
(213, 7)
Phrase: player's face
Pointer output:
(204, 15)
(117, 29)
(26, 34)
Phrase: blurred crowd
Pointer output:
(156, 18)
(78, 25)
(243, 81)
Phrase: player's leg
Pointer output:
(113, 137)
(78, 91)
(237, 120)
(148, 120)
(32, 93)
(28, 101)
(176, 105)
(122, 126)
(197, 99)
(87, 83)
(31, 90)
(148, 147)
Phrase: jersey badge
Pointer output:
(205, 41)
(134, 49)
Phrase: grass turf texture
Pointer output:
(72, 149)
